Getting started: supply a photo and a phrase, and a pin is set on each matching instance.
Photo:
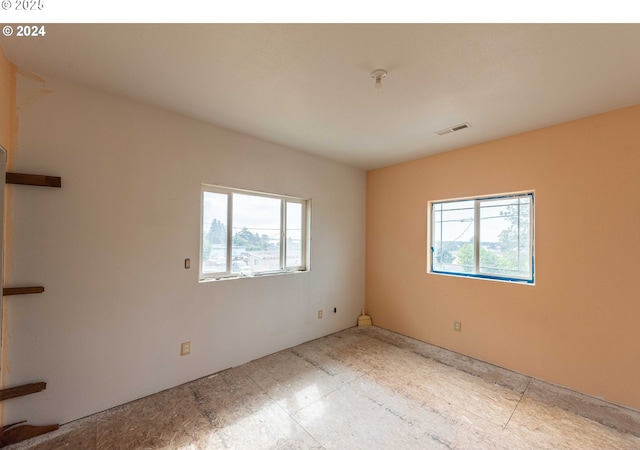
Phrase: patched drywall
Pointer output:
(577, 326)
(109, 247)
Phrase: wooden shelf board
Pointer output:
(19, 391)
(33, 180)
(23, 290)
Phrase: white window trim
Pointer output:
(284, 269)
(529, 280)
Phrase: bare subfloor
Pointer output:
(362, 388)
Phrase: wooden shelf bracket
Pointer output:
(17, 432)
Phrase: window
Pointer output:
(246, 233)
(489, 237)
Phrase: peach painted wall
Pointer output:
(6, 96)
(578, 325)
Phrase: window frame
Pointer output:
(284, 201)
(529, 280)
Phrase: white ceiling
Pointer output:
(307, 86)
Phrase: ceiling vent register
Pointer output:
(462, 126)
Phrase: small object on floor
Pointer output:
(16, 432)
(364, 320)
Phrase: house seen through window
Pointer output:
(247, 233)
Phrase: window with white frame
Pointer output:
(488, 237)
(246, 233)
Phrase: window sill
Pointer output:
(486, 278)
(253, 276)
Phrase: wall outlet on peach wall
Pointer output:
(457, 326)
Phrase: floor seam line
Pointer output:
(517, 404)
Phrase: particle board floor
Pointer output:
(362, 388)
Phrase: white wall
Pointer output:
(109, 248)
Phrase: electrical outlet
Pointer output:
(187, 263)
(185, 349)
(319, 314)
(457, 326)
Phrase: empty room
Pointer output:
(331, 236)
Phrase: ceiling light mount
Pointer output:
(378, 75)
